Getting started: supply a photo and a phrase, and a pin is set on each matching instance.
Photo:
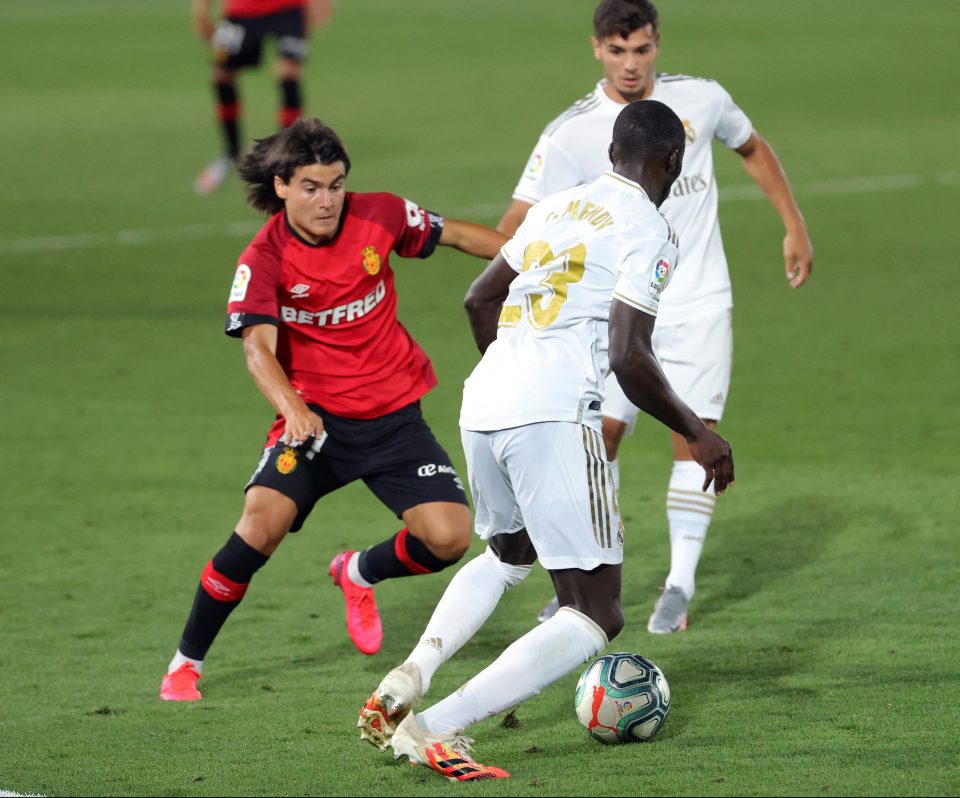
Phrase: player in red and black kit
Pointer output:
(314, 301)
(237, 43)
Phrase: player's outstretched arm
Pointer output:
(474, 239)
(260, 348)
(764, 167)
(485, 298)
(644, 383)
(513, 217)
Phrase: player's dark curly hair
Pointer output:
(306, 141)
(647, 130)
(623, 17)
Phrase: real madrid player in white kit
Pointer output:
(573, 294)
(693, 338)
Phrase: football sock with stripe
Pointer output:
(401, 555)
(544, 654)
(228, 112)
(222, 586)
(689, 512)
(291, 105)
(468, 601)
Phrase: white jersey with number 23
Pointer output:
(575, 251)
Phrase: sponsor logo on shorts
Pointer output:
(287, 461)
(371, 260)
(238, 291)
(432, 469)
(236, 322)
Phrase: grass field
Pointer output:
(823, 655)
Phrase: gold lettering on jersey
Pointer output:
(595, 215)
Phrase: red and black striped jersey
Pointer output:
(335, 305)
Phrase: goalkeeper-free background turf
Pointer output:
(822, 656)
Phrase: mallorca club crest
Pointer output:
(287, 461)
(371, 260)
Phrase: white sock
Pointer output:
(543, 655)
(353, 571)
(179, 659)
(689, 511)
(471, 596)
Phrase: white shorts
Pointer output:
(553, 480)
(697, 358)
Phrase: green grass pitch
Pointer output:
(823, 653)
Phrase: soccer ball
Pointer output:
(622, 698)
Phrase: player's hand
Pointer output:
(203, 27)
(797, 257)
(301, 426)
(713, 453)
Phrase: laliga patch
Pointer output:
(661, 275)
(238, 291)
(371, 260)
(534, 165)
(286, 461)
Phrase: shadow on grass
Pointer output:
(759, 550)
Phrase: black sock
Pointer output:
(222, 585)
(291, 105)
(228, 112)
(401, 555)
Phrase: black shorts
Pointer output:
(396, 456)
(238, 41)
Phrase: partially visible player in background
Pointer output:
(573, 294)
(236, 43)
(694, 335)
(315, 304)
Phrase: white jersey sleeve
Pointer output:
(733, 125)
(645, 272)
(550, 169)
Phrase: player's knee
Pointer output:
(266, 519)
(512, 575)
(450, 544)
(609, 617)
(444, 529)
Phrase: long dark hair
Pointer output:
(305, 142)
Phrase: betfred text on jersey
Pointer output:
(347, 312)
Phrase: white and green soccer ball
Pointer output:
(622, 698)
